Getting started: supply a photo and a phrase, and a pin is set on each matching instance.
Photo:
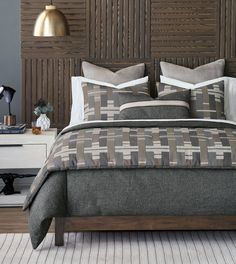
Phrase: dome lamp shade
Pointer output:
(51, 22)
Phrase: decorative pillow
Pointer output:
(156, 109)
(77, 109)
(171, 92)
(202, 73)
(208, 102)
(135, 96)
(102, 102)
(172, 103)
(101, 74)
(229, 92)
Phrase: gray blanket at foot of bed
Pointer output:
(132, 192)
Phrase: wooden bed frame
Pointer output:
(112, 35)
(140, 223)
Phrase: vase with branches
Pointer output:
(41, 109)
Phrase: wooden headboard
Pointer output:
(116, 34)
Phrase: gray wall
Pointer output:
(10, 61)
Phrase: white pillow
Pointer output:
(77, 110)
(229, 97)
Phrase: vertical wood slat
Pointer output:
(142, 29)
(126, 30)
(93, 23)
(50, 84)
(131, 28)
(120, 28)
(56, 103)
(56, 86)
(228, 29)
(148, 30)
(98, 33)
(104, 30)
(115, 31)
(137, 28)
(61, 106)
(109, 29)
(28, 93)
(222, 26)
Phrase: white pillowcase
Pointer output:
(77, 110)
(229, 96)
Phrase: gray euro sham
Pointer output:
(212, 70)
(98, 73)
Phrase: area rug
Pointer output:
(123, 248)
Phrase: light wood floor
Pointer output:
(126, 247)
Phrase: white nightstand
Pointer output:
(23, 151)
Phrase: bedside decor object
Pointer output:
(51, 23)
(36, 130)
(44, 122)
(17, 129)
(8, 94)
(41, 110)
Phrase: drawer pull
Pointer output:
(11, 146)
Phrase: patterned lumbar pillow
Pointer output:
(172, 103)
(208, 102)
(102, 102)
(156, 109)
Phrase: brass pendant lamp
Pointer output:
(51, 22)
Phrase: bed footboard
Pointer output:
(135, 223)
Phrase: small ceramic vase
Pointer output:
(44, 122)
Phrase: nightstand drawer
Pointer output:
(17, 156)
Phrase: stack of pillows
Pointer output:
(183, 93)
(206, 99)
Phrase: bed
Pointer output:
(137, 173)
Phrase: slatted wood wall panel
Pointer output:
(119, 33)
(119, 29)
(187, 26)
(49, 78)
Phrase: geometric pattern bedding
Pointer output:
(103, 146)
(100, 148)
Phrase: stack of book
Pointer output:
(17, 129)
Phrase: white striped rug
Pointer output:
(123, 248)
